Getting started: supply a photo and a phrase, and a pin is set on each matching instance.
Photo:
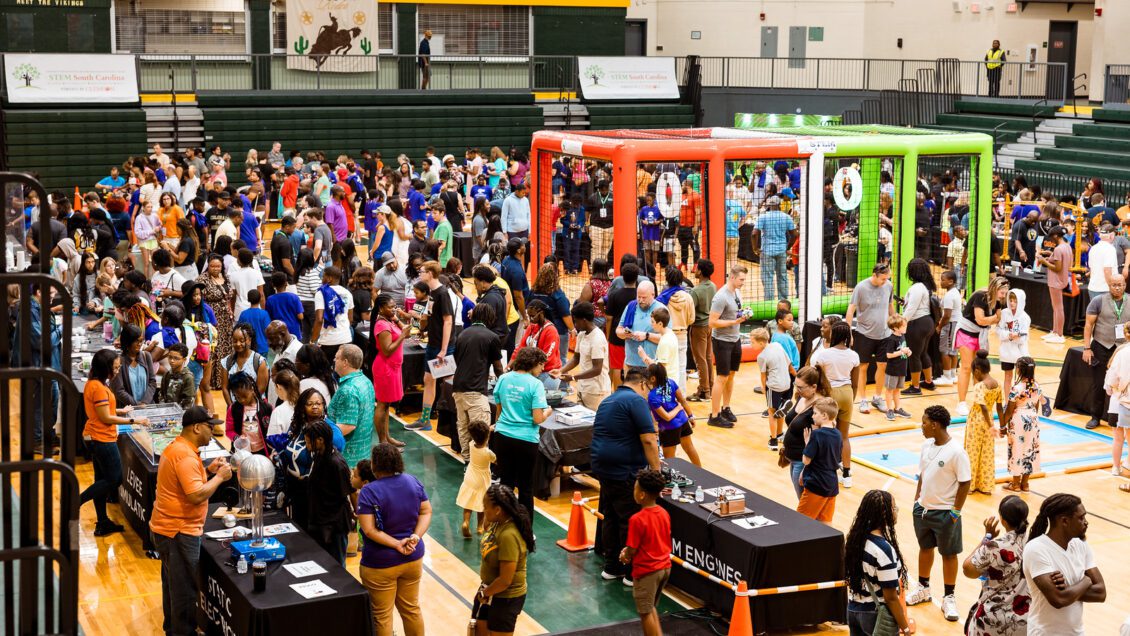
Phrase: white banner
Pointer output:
(35, 78)
(333, 36)
(628, 77)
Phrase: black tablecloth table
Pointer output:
(138, 489)
(796, 551)
(1039, 307)
(462, 249)
(411, 375)
(1075, 388)
(560, 445)
(229, 606)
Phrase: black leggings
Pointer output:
(918, 334)
(516, 467)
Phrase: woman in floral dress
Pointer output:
(219, 293)
(1022, 425)
(980, 436)
(1002, 609)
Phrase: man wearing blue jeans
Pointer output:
(773, 232)
(177, 522)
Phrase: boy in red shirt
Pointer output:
(648, 549)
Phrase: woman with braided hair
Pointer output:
(1060, 568)
(874, 568)
(504, 546)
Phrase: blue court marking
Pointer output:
(1052, 433)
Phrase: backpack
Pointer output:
(936, 308)
(205, 340)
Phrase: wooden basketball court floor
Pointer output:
(120, 586)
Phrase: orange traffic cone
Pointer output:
(741, 624)
(577, 538)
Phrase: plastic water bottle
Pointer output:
(241, 567)
(699, 496)
(676, 492)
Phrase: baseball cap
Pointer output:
(774, 200)
(198, 415)
(387, 258)
(1106, 228)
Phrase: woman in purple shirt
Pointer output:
(394, 512)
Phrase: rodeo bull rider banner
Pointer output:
(336, 36)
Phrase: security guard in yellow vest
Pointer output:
(994, 61)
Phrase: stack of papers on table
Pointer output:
(756, 521)
(575, 415)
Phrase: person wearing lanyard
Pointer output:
(1103, 331)
(600, 221)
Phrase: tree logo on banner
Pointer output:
(26, 72)
(847, 188)
(594, 72)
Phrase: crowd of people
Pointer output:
(302, 334)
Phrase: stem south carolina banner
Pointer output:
(331, 35)
(40, 78)
(628, 77)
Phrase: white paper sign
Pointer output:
(810, 146)
(313, 589)
(628, 77)
(305, 568)
(38, 78)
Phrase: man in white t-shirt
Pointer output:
(1103, 261)
(245, 278)
(593, 381)
(943, 483)
(331, 334)
(1060, 568)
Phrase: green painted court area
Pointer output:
(565, 589)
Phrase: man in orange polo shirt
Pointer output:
(690, 220)
(177, 523)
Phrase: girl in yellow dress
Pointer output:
(476, 479)
(980, 434)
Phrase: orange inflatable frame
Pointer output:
(627, 148)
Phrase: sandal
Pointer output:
(395, 442)
(1124, 487)
(1012, 487)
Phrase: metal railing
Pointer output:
(1116, 84)
(385, 72)
(1019, 80)
(1064, 185)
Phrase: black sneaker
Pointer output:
(773, 444)
(912, 390)
(108, 528)
(1092, 424)
(765, 413)
(720, 422)
(758, 390)
(929, 386)
(728, 414)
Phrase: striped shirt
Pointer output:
(880, 570)
(309, 283)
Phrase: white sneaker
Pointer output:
(1046, 335)
(962, 409)
(864, 406)
(943, 381)
(879, 403)
(917, 594)
(1116, 471)
(846, 481)
(949, 607)
(1054, 339)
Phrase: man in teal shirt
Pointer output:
(443, 233)
(351, 407)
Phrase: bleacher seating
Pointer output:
(66, 148)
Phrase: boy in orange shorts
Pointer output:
(821, 457)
